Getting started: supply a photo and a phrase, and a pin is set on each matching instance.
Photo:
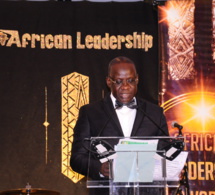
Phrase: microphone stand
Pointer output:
(184, 182)
(184, 178)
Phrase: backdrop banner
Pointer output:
(54, 58)
(187, 85)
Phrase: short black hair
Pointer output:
(119, 59)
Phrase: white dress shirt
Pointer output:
(126, 117)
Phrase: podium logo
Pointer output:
(12, 38)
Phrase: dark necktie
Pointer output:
(131, 104)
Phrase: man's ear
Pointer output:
(108, 81)
(137, 79)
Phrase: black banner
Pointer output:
(40, 42)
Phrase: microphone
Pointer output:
(177, 146)
(175, 124)
(107, 121)
(101, 149)
(174, 147)
(138, 107)
(104, 151)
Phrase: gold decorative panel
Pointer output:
(180, 18)
(75, 93)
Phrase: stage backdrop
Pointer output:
(187, 87)
(54, 58)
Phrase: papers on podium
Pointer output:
(173, 168)
(137, 161)
(134, 162)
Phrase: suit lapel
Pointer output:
(139, 117)
(108, 106)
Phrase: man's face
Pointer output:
(123, 81)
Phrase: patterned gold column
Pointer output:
(75, 93)
(180, 18)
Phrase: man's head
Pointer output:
(122, 79)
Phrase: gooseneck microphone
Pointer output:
(175, 124)
(101, 149)
(107, 121)
(139, 107)
(118, 105)
(175, 146)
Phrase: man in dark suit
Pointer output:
(106, 119)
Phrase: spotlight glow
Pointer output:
(195, 110)
(173, 15)
(170, 13)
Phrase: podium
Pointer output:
(137, 165)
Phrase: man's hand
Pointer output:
(105, 169)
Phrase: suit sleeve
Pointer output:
(80, 149)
